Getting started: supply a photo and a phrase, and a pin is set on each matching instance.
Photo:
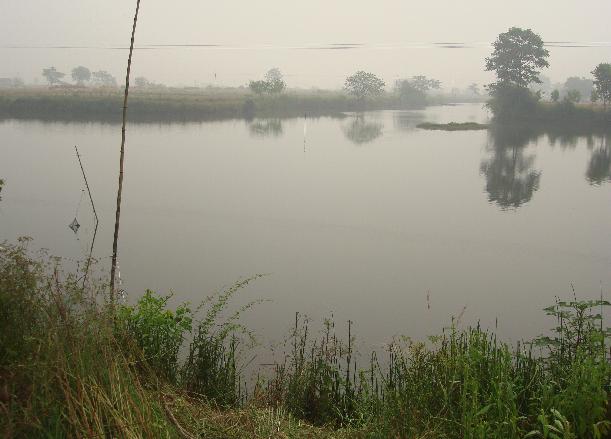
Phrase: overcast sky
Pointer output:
(397, 38)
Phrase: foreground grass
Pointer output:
(71, 366)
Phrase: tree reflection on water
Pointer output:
(599, 167)
(361, 130)
(511, 178)
(266, 128)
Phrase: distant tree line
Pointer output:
(81, 76)
(518, 57)
(361, 85)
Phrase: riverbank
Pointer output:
(515, 105)
(73, 366)
(185, 104)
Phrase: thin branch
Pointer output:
(95, 232)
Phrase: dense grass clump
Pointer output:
(63, 371)
(464, 383)
(71, 366)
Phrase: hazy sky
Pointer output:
(397, 38)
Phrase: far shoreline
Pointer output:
(193, 105)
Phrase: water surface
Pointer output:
(366, 217)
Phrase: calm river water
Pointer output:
(366, 217)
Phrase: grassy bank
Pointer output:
(187, 104)
(71, 366)
(519, 105)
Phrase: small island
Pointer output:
(453, 126)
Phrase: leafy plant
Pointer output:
(577, 363)
(211, 368)
(554, 427)
(158, 331)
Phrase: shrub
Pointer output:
(158, 331)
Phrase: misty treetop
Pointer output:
(275, 79)
(573, 96)
(53, 76)
(273, 83)
(81, 75)
(602, 82)
(364, 84)
(582, 85)
(425, 84)
(518, 57)
(413, 91)
(104, 79)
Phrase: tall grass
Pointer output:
(462, 384)
(68, 368)
(63, 372)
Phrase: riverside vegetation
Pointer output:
(72, 367)
(194, 104)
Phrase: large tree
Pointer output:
(81, 75)
(602, 82)
(518, 57)
(364, 84)
(52, 75)
(275, 80)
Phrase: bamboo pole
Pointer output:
(121, 160)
